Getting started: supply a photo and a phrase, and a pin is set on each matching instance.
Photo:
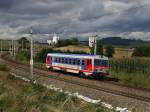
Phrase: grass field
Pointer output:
(19, 96)
(75, 48)
(131, 71)
(123, 53)
(119, 52)
(132, 79)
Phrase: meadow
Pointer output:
(131, 71)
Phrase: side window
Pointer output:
(62, 60)
(74, 61)
(78, 62)
(55, 59)
(66, 60)
(70, 61)
(101, 62)
(83, 62)
(58, 60)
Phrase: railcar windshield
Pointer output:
(99, 62)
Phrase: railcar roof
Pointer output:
(78, 55)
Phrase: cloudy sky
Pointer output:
(126, 18)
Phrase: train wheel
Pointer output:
(82, 75)
(51, 68)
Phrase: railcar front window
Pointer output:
(98, 62)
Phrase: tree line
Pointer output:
(142, 51)
(65, 42)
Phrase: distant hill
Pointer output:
(123, 42)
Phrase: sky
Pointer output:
(125, 18)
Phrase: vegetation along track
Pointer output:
(131, 92)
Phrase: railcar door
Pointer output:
(88, 64)
(49, 60)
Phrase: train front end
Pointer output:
(101, 67)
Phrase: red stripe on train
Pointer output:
(72, 69)
(101, 67)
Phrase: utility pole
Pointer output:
(95, 44)
(9, 49)
(31, 54)
(41, 44)
(22, 44)
(1, 47)
(12, 48)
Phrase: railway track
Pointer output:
(56, 76)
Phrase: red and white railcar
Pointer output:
(84, 64)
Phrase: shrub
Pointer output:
(142, 51)
(23, 55)
(109, 51)
(3, 68)
(42, 55)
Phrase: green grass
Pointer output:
(133, 79)
(19, 96)
(131, 71)
(131, 65)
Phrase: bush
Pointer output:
(42, 55)
(3, 68)
(142, 51)
(61, 43)
(23, 55)
(109, 51)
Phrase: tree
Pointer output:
(24, 42)
(42, 55)
(23, 55)
(99, 50)
(109, 51)
(58, 44)
(65, 42)
(142, 51)
(91, 50)
(75, 41)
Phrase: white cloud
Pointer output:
(108, 17)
